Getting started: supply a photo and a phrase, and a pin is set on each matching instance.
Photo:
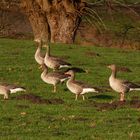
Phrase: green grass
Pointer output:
(73, 120)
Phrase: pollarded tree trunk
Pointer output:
(54, 20)
(37, 19)
(63, 21)
(62, 27)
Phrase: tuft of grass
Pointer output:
(73, 119)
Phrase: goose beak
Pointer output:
(37, 40)
(67, 73)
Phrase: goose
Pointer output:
(53, 78)
(78, 87)
(38, 56)
(120, 86)
(7, 89)
(54, 62)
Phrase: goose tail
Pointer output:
(65, 66)
(134, 89)
(90, 90)
(18, 89)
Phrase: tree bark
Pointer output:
(53, 20)
(63, 27)
(37, 19)
(63, 22)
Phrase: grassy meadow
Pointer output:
(71, 120)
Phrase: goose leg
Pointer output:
(76, 97)
(5, 96)
(54, 88)
(121, 96)
(83, 97)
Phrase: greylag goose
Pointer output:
(53, 78)
(54, 62)
(120, 86)
(38, 56)
(7, 89)
(78, 87)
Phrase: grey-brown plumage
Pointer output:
(38, 55)
(121, 86)
(7, 89)
(78, 87)
(53, 78)
(54, 62)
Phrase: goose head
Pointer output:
(112, 67)
(38, 43)
(70, 73)
(37, 40)
(46, 45)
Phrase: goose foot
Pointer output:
(121, 97)
(5, 97)
(76, 97)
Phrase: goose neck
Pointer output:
(113, 74)
(48, 50)
(44, 73)
(38, 50)
(72, 77)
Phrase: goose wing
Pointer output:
(13, 88)
(130, 84)
(86, 86)
(82, 84)
(60, 61)
(59, 75)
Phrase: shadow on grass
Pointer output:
(102, 97)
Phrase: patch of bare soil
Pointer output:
(135, 103)
(92, 54)
(38, 100)
(116, 105)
